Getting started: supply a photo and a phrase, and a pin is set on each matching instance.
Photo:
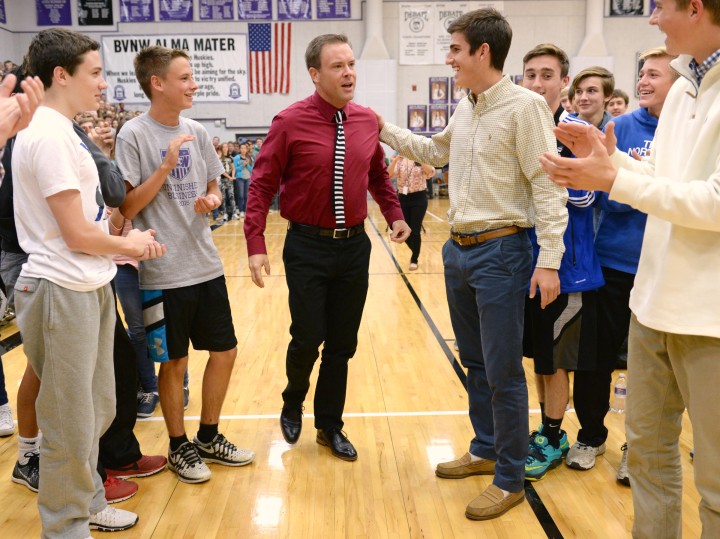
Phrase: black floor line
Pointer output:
(448, 353)
(531, 495)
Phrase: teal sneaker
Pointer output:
(541, 458)
(564, 444)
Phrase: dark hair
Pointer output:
(57, 47)
(155, 61)
(548, 49)
(617, 92)
(314, 48)
(485, 25)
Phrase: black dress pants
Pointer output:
(414, 206)
(591, 390)
(327, 281)
(119, 446)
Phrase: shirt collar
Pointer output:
(326, 109)
(493, 93)
(700, 70)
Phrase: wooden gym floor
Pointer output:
(406, 411)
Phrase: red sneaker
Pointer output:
(147, 465)
(117, 490)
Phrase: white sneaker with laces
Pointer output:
(582, 457)
(7, 427)
(112, 520)
(188, 465)
(221, 451)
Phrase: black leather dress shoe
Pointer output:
(338, 443)
(291, 424)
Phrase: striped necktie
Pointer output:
(338, 168)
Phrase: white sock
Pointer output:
(473, 458)
(505, 493)
(27, 445)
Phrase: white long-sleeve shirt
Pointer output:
(677, 287)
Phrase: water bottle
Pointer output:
(619, 394)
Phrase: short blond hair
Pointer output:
(658, 52)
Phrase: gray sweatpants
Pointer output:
(68, 339)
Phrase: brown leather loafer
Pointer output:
(463, 467)
(492, 503)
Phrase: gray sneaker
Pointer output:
(622, 473)
(582, 457)
(188, 465)
(28, 474)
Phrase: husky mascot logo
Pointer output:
(119, 93)
(234, 91)
(183, 163)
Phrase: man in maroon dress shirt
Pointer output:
(326, 260)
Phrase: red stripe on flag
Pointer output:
(282, 48)
(286, 86)
(275, 49)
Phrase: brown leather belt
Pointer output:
(466, 240)
(334, 233)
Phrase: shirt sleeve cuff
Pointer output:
(549, 259)
(256, 246)
(394, 215)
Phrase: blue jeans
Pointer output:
(127, 288)
(241, 193)
(486, 286)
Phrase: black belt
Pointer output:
(334, 233)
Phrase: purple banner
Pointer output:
(216, 10)
(137, 11)
(95, 13)
(294, 9)
(176, 10)
(333, 9)
(3, 18)
(255, 10)
(53, 12)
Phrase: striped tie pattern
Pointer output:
(338, 168)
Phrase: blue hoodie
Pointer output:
(579, 269)
(619, 236)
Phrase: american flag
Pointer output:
(269, 57)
